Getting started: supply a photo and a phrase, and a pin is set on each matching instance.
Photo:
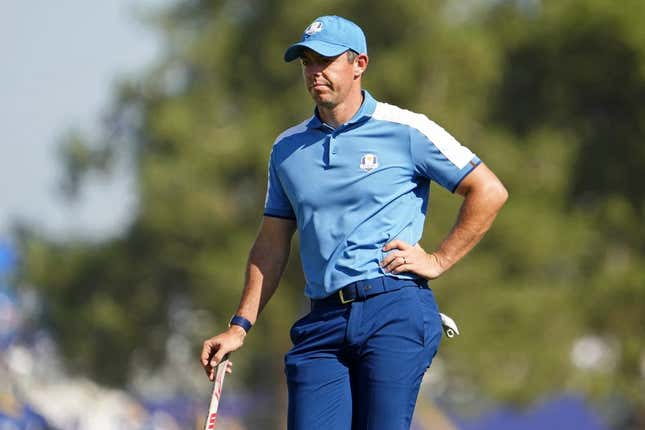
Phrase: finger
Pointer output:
(207, 351)
(402, 268)
(396, 262)
(396, 244)
(217, 358)
(229, 367)
(208, 369)
(389, 258)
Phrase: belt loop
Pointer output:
(361, 288)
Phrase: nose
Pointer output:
(315, 66)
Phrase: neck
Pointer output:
(339, 114)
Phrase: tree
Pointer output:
(549, 95)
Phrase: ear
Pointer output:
(360, 65)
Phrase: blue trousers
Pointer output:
(359, 366)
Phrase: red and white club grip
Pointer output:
(220, 371)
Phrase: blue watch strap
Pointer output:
(242, 322)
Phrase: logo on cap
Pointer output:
(314, 27)
(369, 162)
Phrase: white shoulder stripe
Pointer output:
(288, 132)
(458, 154)
(293, 130)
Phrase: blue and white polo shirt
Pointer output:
(354, 188)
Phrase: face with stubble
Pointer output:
(329, 80)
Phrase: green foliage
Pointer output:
(549, 95)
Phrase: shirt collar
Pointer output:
(364, 113)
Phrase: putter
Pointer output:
(220, 371)
(449, 326)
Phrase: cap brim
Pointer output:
(325, 49)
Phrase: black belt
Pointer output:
(360, 290)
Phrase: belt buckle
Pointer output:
(342, 298)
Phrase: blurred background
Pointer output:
(136, 135)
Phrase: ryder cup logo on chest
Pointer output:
(369, 162)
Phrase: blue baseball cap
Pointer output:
(329, 36)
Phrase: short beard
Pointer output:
(326, 105)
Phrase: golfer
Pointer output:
(354, 181)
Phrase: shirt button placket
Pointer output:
(332, 148)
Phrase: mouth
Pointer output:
(319, 85)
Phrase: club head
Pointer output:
(449, 326)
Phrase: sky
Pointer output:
(59, 62)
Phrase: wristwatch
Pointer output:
(242, 322)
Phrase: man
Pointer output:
(354, 180)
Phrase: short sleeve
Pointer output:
(276, 203)
(438, 156)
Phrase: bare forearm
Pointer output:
(263, 272)
(484, 195)
(477, 213)
(265, 265)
